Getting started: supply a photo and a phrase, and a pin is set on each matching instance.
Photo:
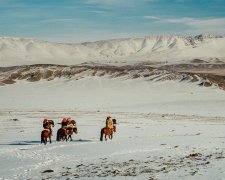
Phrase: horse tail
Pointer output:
(42, 137)
(57, 136)
(102, 132)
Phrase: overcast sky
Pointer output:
(91, 20)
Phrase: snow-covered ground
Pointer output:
(145, 146)
(114, 94)
(166, 130)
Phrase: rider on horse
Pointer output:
(109, 122)
(68, 121)
(109, 129)
(67, 129)
(47, 125)
(64, 122)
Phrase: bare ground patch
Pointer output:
(208, 74)
(151, 167)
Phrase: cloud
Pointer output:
(107, 2)
(60, 20)
(100, 13)
(212, 25)
(118, 2)
(196, 22)
(152, 17)
(195, 25)
(15, 4)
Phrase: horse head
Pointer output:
(75, 130)
(114, 121)
(51, 122)
(73, 122)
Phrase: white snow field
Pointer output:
(145, 146)
(166, 130)
(114, 94)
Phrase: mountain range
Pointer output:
(152, 49)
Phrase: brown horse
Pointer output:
(70, 131)
(61, 134)
(65, 133)
(108, 132)
(47, 133)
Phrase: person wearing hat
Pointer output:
(45, 123)
(68, 120)
(64, 122)
(109, 122)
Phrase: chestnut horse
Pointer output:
(47, 133)
(65, 133)
(108, 132)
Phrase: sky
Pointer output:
(92, 20)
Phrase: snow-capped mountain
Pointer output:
(159, 49)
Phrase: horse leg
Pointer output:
(42, 137)
(42, 140)
(70, 136)
(105, 138)
(58, 136)
(101, 134)
(50, 139)
(45, 141)
(112, 134)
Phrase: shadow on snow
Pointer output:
(25, 143)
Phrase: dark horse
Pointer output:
(108, 132)
(65, 133)
(114, 125)
(47, 133)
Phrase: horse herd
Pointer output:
(65, 133)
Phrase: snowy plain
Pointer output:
(166, 130)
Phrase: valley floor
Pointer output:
(145, 146)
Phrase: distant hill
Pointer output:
(151, 49)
